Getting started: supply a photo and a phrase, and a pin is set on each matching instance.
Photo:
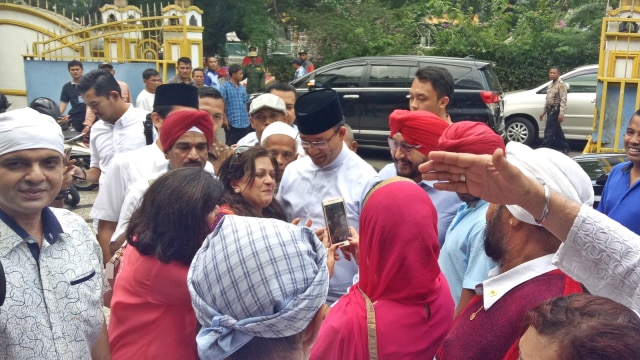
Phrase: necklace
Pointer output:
(473, 316)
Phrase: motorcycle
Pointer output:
(79, 150)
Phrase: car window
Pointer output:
(492, 78)
(583, 83)
(465, 78)
(392, 76)
(344, 77)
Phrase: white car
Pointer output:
(522, 108)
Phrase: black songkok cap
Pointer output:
(318, 111)
(176, 94)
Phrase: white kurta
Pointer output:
(604, 256)
(124, 170)
(303, 188)
(133, 199)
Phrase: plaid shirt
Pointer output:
(235, 99)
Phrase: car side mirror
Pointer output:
(602, 179)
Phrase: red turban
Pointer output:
(179, 122)
(470, 137)
(418, 128)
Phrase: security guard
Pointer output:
(254, 73)
(554, 108)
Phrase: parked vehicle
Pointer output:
(598, 167)
(522, 108)
(370, 88)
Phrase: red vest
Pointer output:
(494, 334)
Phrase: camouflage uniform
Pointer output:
(255, 77)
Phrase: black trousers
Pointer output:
(235, 134)
(553, 134)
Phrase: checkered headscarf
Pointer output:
(255, 277)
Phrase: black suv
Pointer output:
(370, 88)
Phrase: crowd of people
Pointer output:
(217, 246)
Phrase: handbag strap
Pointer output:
(371, 327)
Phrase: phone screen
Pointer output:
(336, 219)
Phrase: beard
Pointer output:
(495, 236)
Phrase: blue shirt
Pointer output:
(235, 99)
(620, 201)
(211, 79)
(445, 202)
(462, 258)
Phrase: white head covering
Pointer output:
(255, 277)
(24, 129)
(279, 128)
(561, 173)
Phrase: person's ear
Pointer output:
(157, 120)
(312, 330)
(443, 102)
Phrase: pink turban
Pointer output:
(418, 128)
(470, 137)
(180, 122)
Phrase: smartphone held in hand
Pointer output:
(335, 217)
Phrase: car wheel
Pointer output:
(520, 130)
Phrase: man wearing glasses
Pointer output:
(330, 170)
(414, 134)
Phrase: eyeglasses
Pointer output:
(404, 147)
(320, 145)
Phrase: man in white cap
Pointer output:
(525, 275)
(264, 110)
(258, 287)
(280, 141)
(52, 261)
(328, 171)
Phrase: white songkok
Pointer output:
(279, 128)
(561, 173)
(24, 129)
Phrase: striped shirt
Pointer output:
(235, 99)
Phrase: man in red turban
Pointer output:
(462, 259)
(186, 137)
(414, 134)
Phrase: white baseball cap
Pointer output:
(267, 100)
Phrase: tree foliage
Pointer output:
(523, 38)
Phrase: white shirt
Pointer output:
(498, 285)
(125, 135)
(604, 256)
(145, 100)
(124, 170)
(250, 139)
(54, 311)
(133, 199)
(303, 188)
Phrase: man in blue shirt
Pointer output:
(621, 193)
(235, 97)
(462, 259)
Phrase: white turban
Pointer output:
(279, 128)
(24, 129)
(561, 173)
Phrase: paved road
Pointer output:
(377, 157)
